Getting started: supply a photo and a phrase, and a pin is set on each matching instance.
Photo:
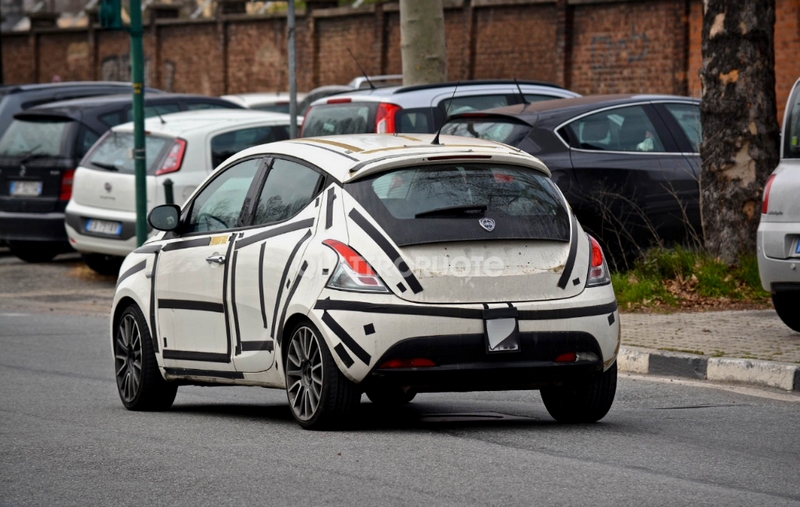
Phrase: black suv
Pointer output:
(39, 153)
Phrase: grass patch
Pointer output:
(681, 278)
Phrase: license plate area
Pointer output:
(103, 227)
(501, 330)
(25, 188)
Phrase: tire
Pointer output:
(787, 306)
(390, 396)
(582, 402)
(35, 251)
(103, 264)
(139, 382)
(320, 397)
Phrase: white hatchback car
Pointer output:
(778, 239)
(371, 263)
(182, 149)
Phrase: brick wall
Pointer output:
(590, 46)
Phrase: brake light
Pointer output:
(566, 357)
(598, 272)
(384, 118)
(459, 157)
(174, 158)
(66, 185)
(353, 273)
(765, 201)
(417, 362)
(338, 101)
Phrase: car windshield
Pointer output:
(334, 119)
(419, 205)
(34, 138)
(490, 129)
(113, 153)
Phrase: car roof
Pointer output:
(260, 98)
(209, 120)
(570, 107)
(362, 154)
(63, 85)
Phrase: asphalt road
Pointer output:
(65, 439)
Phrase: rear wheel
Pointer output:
(103, 264)
(319, 395)
(582, 402)
(36, 251)
(787, 306)
(390, 395)
(139, 383)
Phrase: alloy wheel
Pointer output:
(128, 358)
(304, 373)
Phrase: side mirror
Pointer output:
(165, 217)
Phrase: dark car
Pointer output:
(39, 153)
(15, 98)
(628, 164)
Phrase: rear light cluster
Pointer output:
(66, 185)
(174, 158)
(353, 273)
(384, 118)
(765, 201)
(598, 271)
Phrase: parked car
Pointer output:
(417, 109)
(778, 239)
(628, 164)
(38, 156)
(370, 263)
(276, 102)
(182, 149)
(355, 84)
(15, 98)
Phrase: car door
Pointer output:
(625, 165)
(192, 274)
(267, 259)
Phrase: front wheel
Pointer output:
(787, 305)
(319, 395)
(139, 383)
(586, 401)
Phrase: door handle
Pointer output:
(216, 259)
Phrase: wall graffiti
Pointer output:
(118, 68)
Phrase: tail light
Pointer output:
(417, 362)
(353, 273)
(765, 201)
(598, 271)
(174, 158)
(384, 118)
(66, 185)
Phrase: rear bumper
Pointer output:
(89, 242)
(775, 246)
(32, 226)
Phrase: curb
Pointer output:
(784, 376)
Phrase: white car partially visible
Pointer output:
(181, 150)
(778, 240)
(276, 102)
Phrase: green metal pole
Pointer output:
(137, 77)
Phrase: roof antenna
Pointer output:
(372, 86)
(446, 113)
(522, 95)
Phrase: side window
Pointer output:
(86, 139)
(414, 121)
(112, 119)
(230, 143)
(791, 137)
(620, 129)
(688, 117)
(150, 111)
(218, 206)
(473, 103)
(289, 188)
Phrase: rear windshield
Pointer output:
(432, 204)
(493, 130)
(36, 139)
(113, 153)
(334, 119)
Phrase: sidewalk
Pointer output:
(744, 346)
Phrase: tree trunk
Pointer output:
(422, 42)
(739, 121)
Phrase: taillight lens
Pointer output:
(417, 362)
(174, 158)
(384, 118)
(765, 201)
(598, 271)
(353, 273)
(66, 185)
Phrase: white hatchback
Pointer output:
(182, 149)
(377, 264)
(778, 239)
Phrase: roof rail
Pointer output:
(404, 89)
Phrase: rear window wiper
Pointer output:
(110, 167)
(461, 209)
